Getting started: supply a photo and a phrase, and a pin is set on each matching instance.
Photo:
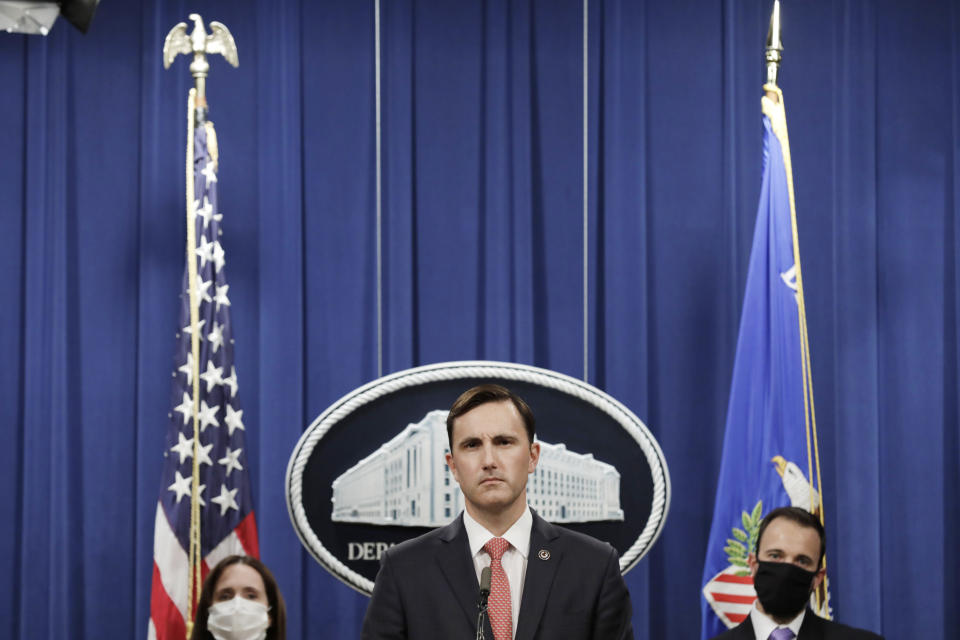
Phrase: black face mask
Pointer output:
(782, 588)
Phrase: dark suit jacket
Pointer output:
(427, 589)
(813, 628)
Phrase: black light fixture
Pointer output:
(79, 13)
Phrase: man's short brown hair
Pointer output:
(483, 394)
(798, 516)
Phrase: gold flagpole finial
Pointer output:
(200, 44)
(774, 45)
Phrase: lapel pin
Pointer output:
(543, 554)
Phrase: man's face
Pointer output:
(787, 541)
(491, 458)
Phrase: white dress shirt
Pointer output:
(514, 559)
(763, 626)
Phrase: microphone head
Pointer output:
(485, 581)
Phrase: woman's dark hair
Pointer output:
(278, 611)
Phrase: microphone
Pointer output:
(482, 602)
(485, 576)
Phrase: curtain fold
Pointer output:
(855, 336)
(281, 248)
(13, 72)
(951, 414)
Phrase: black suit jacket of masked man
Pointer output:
(427, 589)
(813, 628)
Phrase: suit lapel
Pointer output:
(539, 577)
(744, 630)
(812, 627)
(455, 563)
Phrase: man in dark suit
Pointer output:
(787, 567)
(547, 582)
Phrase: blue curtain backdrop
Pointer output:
(482, 257)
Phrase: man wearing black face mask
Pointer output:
(786, 569)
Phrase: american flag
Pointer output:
(227, 524)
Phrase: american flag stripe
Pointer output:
(735, 599)
(170, 565)
(233, 544)
(246, 532)
(169, 619)
(729, 578)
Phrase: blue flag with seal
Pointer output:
(770, 456)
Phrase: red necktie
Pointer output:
(498, 606)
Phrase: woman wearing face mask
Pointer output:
(240, 600)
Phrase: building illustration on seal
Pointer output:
(406, 482)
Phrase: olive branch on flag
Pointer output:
(746, 539)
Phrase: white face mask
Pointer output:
(238, 619)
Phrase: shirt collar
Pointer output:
(763, 625)
(518, 535)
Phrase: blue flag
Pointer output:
(769, 448)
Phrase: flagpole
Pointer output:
(774, 50)
(193, 583)
(199, 43)
(774, 55)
